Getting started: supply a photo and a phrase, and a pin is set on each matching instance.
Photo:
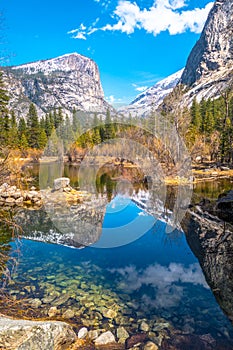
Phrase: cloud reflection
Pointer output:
(168, 282)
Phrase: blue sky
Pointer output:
(135, 43)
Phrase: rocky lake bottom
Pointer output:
(153, 285)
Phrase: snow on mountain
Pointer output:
(65, 63)
(151, 98)
(71, 81)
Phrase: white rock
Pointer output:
(105, 338)
(82, 333)
(61, 183)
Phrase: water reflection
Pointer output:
(156, 277)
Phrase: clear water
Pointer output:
(156, 278)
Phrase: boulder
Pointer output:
(61, 183)
(28, 335)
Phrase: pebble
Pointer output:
(83, 332)
(144, 327)
(36, 303)
(69, 313)
(53, 311)
(61, 300)
(122, 333)
(150, 346)
(109, 313)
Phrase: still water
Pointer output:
(155, 278)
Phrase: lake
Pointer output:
(147, 280)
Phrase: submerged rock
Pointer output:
(135, 339)
(122, 333)
(105, 338)
(53, 311)
(83, 332)
(150, 346)
(28, 335)
(68, 314)
(109, 313)
(144, 327)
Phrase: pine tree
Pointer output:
(42, 139)
(22, 127)
(195, 114)
(96, 130)
(13, 136)
(203, 114)
(48, 125)
(109, 132)
(4, 118)
(33, 127)
(23, 143)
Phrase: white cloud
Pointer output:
(79, 33)
(80, 36)
(111, 99)
(164, 15)
(141, 88)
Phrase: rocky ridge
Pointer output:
(209, 68)
(208, 71)
(151, 98)
(71, 81)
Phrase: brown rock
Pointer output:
(135, 339)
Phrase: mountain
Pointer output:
(69, 81)
(209, 67)
(151, 98)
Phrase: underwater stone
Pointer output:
(53, 311)
(36, 303)
(135, 339)
(69, 313)
(61, 300)
(144, 327)
(150, 346)
(109, 313)
(93, 334)
(48, 299)
(105, 338)
(83, 332)
(122, 333)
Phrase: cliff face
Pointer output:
(209, 67)
(69, 81)
(212, 242)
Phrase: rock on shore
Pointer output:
(34, 335)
